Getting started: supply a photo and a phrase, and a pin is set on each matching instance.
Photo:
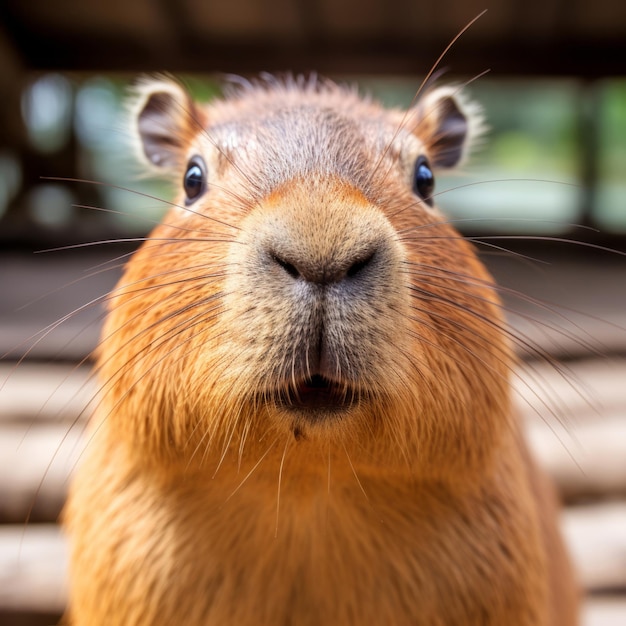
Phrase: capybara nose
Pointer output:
(325, 271)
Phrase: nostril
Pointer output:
(359, 265)
(321, 272)
(291, 269)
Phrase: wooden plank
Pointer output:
(36, 463)
(596, 536)
(604, 611)
(33, 568)
(575, 416)
(588, 462)
(35, 467)
(576, 392)
(570, 392)
(43, 411)
(32, 392)
(39, 447)
(33, 563)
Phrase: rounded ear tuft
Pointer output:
(449, 125)
(166, 120)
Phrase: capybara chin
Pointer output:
(305, 413)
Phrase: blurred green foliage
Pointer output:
(526, 177)
(610, 200)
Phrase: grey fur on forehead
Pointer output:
(239, 86)
(277, 130)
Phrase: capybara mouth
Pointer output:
(318, 393)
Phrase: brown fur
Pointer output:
(203, 499)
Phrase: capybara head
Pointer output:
(304, 285)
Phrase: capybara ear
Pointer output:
(448, 125)
(166, 120)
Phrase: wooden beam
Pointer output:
(43, 51)
(10, 63)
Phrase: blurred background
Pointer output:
(544, 201)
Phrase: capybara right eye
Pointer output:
(423, 180)
(194, 181)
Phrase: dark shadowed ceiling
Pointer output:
(549, 37)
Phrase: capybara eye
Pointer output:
(194, 181)
(423, 180)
